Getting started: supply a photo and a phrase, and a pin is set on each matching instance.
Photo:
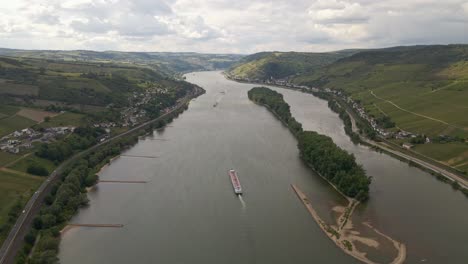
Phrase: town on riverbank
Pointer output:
(396, 143)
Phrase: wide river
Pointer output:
(187, 211)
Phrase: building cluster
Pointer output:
(356, 106)
(23, 139)
(272, 81)
(134, 114)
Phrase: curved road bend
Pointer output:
(14, 241)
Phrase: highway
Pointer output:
(14, 240)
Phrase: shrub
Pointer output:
(37, 169)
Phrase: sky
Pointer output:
(230, 26)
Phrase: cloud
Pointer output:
(242, 26)
(338, 12)
(91, 25)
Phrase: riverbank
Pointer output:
(15, 242)
(343, 235)
(316, 148)
(195, 199)
(459, 181)
(331, 162)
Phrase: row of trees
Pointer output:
(275, 102)
(364, 127)
(69, 194)
(348, 125)
(65, 198)
(331, 162)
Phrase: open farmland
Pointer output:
(64, 119)
(7, 110)
(72, 83)
(14, 188)
(23, 164)
(35, 114)
(8, 87)
(6, 158)
(12, 123)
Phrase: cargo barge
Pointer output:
(235, 182)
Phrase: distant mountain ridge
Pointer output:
(279, 65)
(168, 62)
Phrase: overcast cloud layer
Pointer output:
(227, 26)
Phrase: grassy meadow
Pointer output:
(14, 188)
(23, 164)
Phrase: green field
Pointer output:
(65, 119)
(452, 154)
(12, 123)
(423, 111)
(23, 164)
(18, 89)
(423, 89)
(6, 158)
(14, 188)
(8, 110)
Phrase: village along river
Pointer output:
(187, 211)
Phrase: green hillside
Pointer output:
(279, 65)
(84, 83)
(167, 62)
(419, 89)
(424, 89)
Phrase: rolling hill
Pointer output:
(279, 65)
(165, 62)
(422, 89)
(86, 83)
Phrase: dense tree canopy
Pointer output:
(81, 138)
(335, 164)
(275, 102)
(331, 162)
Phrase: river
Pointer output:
(187, 211)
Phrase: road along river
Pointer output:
(186, 212)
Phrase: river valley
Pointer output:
(186, 212)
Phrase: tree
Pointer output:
(48, 220)
(37, 169)
(331, 162)
(30, 237)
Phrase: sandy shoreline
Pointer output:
(107, 164)
(343, 234)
